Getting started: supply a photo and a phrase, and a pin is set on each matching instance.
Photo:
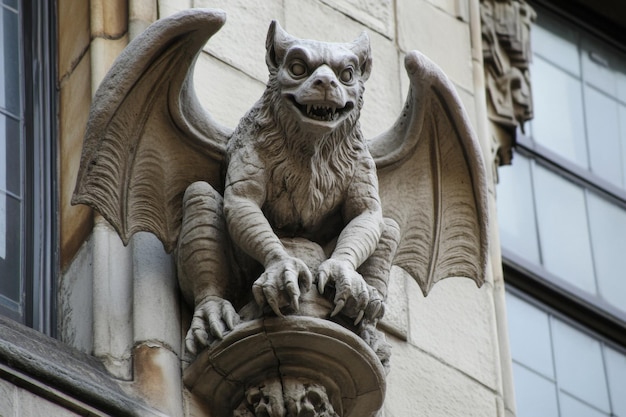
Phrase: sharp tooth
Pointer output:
(308, 109)
(333, 109)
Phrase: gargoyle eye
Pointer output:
(347, 75)
(297, 69)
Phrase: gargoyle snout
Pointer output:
(324, 77)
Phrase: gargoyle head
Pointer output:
(320, 83)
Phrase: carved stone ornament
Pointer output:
(507, 54)
(283, 240)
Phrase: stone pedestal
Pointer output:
(289, 367)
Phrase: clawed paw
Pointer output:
(353, 296)
(281, 284)
(212, 319)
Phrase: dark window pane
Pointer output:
(10, 3)
(10, 225)
(9, 62)
(10, 155)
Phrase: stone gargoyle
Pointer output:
(294, 196)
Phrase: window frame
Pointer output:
(39, 254)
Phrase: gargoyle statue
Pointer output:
(290, 198)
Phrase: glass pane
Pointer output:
(599, 66)
(563, 231)
(616, 368)
(10, 224)
(556, 42)
(529, 333)
(10, 156)
(603, 134)
(622, 123)
(10, 3)
(608, 237)
(621, 81)
(579, 365)
(9, 62)
(516, 212)
(571, 407)
(559, 123)
(535, 396)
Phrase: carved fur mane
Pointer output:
(284, 145)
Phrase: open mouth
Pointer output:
(322, 112)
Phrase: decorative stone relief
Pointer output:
(506, 52)
(283, 239)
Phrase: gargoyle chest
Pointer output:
(299, 203)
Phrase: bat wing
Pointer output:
(432, 181)
(148, 137)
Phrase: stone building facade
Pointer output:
(118, 348)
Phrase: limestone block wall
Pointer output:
(449, 356)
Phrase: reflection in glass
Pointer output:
(599, 66)
(563, 231)
(529, 333)
(603, 135)
(616, 370)
(556, 42)
(608, 236)
(579, 365)
(10, 286)
(535, 396)
(571, 407)
(9, 62)
(516, 210)
(558, 123)
(622, 124)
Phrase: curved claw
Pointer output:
(338, 307)
(359, 317)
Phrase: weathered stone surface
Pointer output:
(109, 18)
(75, 320)
(8, 405)
(433, 388)
(74, 40)
(438, 35)
(454, 315)
(74, 374)
(74, 102)
(243, 50)
(214, 82)
(375, 14)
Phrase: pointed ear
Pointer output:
(361, 47)
(276, 44)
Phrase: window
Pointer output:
(561, 370)
(27, 175)
(562, 218)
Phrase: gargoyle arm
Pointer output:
(363, 213)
